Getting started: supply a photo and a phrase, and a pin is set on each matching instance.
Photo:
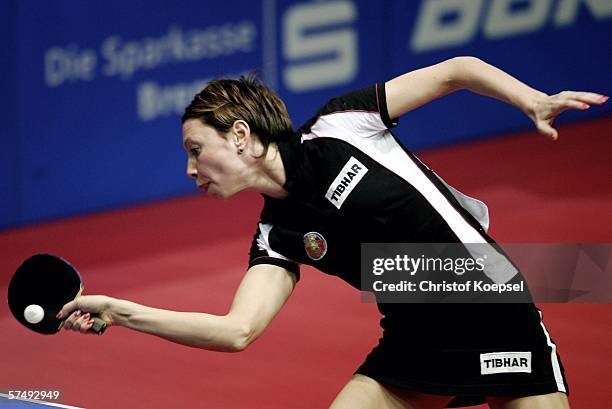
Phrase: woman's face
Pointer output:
(212, 159)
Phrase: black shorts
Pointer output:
(466, 350)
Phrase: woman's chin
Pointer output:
(218, 194)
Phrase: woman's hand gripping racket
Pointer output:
(39, 289)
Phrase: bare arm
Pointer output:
(261, 294)
(416, 88)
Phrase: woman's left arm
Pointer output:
(416, 88)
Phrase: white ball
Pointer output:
(33, 314)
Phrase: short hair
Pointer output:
(224, 101)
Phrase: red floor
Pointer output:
(189, 254)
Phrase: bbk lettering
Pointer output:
(496, 19)
(344, 183)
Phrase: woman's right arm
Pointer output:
(262, 293)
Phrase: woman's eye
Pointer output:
(194, 151)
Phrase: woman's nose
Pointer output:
(192, 172)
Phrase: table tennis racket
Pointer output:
(39, 289)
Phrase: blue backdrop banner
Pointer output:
(94, 92)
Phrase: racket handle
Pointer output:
(99, 325)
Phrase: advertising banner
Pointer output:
(94, 92)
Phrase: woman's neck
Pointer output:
(271, 177)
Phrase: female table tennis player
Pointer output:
(341, 180)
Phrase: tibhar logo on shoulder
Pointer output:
(342, 186)
(505, 362)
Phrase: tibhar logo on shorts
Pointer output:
(315, 245)
(342, 186)
(505, 362)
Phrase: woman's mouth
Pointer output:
(204, 185)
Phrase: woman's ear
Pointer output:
(241, 133)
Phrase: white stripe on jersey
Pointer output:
(366, 124)
(553, 358)
(263, 242)
(385, 150)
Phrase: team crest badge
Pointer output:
(315, 245)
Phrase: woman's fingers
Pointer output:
(86, 325)
(547, 109)
(545, 128)
(72, 319)
(78, 312)
(68, 309)
(78, 322)
(571, 103)
(568, 100)
(591, 97)
(585, 97)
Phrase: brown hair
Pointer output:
(225, 101)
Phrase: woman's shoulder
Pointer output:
(365, 99)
